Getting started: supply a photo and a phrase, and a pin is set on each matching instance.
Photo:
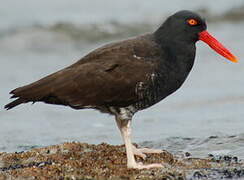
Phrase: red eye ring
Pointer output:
(192, 22)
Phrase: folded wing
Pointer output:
(106, 77)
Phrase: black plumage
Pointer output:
(124, 77)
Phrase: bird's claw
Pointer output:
(144, 166)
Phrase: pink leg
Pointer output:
(124, 126)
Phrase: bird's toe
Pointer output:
(144, 166)
(141, 152)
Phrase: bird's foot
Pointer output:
(144, 166)
(141, 152)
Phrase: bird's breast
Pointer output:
(165, 80)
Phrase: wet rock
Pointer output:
(101, 162)
(198, 175)
(225, 158)
(187, 154)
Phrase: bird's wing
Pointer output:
(107, 76)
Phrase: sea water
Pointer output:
(40, 37)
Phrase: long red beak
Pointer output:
(216, 45)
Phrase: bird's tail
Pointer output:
(14, 103)
(29, 93)
(23, 95)
(41, 90)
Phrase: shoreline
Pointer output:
(75, 160)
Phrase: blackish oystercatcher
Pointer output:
(125, 77)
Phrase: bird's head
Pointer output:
(189, 27)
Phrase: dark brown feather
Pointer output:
(106, 77)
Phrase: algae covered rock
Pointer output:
(101, 162)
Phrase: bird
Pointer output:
(122, 78)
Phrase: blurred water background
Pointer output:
(40, 37)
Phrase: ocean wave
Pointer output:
(65, 35)
(60, 35)
(201, 147)
(99, 32)
(235, 15)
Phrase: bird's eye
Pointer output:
(192, 22)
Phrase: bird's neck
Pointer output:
(177, 49)
(178, 55)
(176, 63)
